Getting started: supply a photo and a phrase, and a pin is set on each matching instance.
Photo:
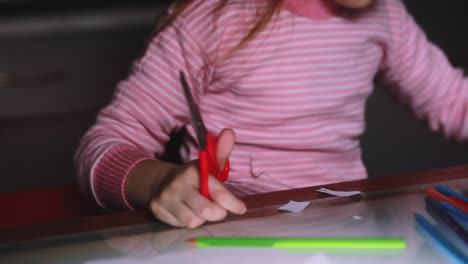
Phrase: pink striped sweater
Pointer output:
(295, 95)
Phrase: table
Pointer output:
(126, 237)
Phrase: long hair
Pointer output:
(263, 17)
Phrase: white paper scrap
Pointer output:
(357, 217)
(293, 206)
(339, 193)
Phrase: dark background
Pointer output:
(60, 62)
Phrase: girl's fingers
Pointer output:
(202, 207)
(219, 194)
(222, 198)
(174, 204)
(180, 203)
(225, 198)
(185, 215)
(164, 215)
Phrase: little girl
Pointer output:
(289, 77)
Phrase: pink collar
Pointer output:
(318, 9)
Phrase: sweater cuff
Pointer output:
(110, 175)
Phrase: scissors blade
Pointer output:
(197, 121)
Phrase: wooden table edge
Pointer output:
(254, 202)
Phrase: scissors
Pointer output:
(206, 145)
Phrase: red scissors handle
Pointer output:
(209, 165)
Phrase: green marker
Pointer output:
(301, 243)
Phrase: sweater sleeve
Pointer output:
(145, 109)
(422, 77)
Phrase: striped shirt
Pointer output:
(295, 95)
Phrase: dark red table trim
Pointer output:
(254, 202)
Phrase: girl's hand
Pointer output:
(176, 199)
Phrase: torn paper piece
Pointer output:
(339, 193)
(295, 207)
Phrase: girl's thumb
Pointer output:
(226, 140)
